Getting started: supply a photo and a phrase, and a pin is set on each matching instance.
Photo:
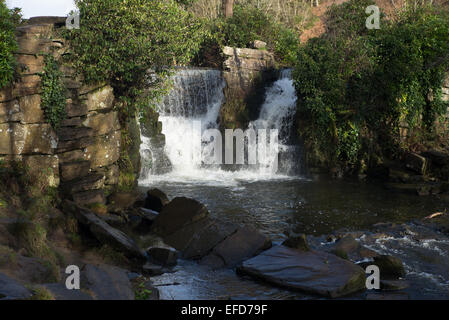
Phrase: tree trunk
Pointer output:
(228, 6)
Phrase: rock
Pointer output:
(44, 168)
(74, 109)
(60, 292)
(103, 123)
(153, 270)
(257, 44)
(389, 266)
(87, 183)
(104, 150)
(70, 133)
(243, 244)
(10, 289)
(437, 158)
(66, 146)
(416, 163)
(393, 285)
(298, 242)
(163, 255)
(179, 213)
(86, 198)
(74, 170)
(104, 232)
(203, 241)
(148, 214)
(309, 271)
(120, 201)
(345, 247)
(107, 282)
(156, 200)
(16, 139)
(247, 59)
(100, 99)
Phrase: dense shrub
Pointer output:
(248, 24)
(121, 40)
(357, 86)
(8, 44)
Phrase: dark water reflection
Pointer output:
(315, 207)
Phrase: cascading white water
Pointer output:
(277, 113)
(197, 96)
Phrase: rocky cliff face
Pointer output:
(247, 72)
(81, 156)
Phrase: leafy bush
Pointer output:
(357, 86)
(119, 41)
(8, 45)
(53, 92)
(248, 24)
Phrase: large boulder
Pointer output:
(156, 200)
(107, 282)
(313, 272)
(178, 214)
(104, 232)
(207, 238)
(245, 243)
(10, 289)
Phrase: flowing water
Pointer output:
(276, 202)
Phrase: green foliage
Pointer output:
(120, 41)
(248, 24)
(8, 45)
(53, 95)
(142, 293)
(357, 86)
(41, 294)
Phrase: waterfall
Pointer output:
(277, 112)
(193, 106)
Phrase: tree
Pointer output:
(228, 6)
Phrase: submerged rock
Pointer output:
(389, 266)
(245, 243)
(313, 272)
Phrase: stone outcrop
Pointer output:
(309, 271)
(82, 154)
(104, 232)
(247, 72)
(10, 289)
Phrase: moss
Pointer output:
(8, 257)
(127, 181)
(112, 256)
(41, 293)
(98, 208)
